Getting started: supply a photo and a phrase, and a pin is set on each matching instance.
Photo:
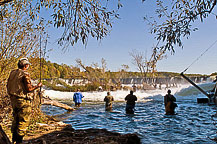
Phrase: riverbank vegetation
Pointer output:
(53, 70)
(92, 76)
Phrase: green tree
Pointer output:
(79, 18)
(23, 25)
(95, 73)
(19, 36)
(176, 20)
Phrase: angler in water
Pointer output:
(214, 91)
(169, 103)
(130, 98)
(20, 90)
(108, 99)
(77, 98)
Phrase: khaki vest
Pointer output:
(108, 100)
(15, 85)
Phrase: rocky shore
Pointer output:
(67, 135)
(60, 133)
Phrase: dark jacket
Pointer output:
(130, 98)
(169, 98)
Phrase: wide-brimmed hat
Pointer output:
(24, 61)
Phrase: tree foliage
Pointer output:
(79, 18)
(19, 36)
(2, 2)
(156, 56)
(95, 73)
(22, 25)
(177, 20)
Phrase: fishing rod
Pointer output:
(41, 65)
(40, 71)
(190, 81)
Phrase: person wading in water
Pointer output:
(108, 99)
(130, 98)
(77, 98)
(169, 103)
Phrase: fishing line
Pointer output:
(45, 47)
(200, 56)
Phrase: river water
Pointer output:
(193, 123)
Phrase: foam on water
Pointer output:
(191, 90)
(118, 95)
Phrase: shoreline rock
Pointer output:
(67, 135)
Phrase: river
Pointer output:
(193, 123)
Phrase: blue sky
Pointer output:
(131, 32)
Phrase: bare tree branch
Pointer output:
(2, 2)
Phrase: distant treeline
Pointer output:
(51, 70)
(96, 76)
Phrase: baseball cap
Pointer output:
(24, 61)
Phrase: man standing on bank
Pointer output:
(130, 98)
(20, 90)
(108, 102)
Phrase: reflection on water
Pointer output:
(193, 123)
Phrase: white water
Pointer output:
(118, 95)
